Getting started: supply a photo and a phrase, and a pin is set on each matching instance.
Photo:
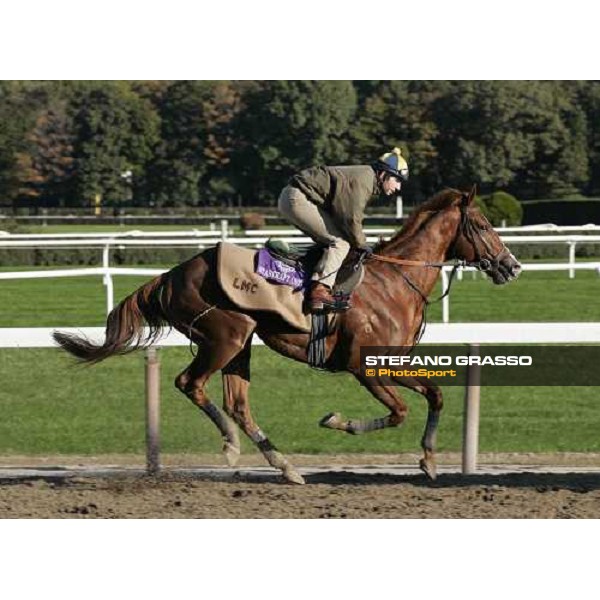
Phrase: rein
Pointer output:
(406, 261)
(481, 264)
(469, 232)
(423, 263)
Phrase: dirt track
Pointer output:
(333, 494)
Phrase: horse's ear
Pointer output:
(472, 194)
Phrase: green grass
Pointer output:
(49, 406)
(72, 301)
(535, 296)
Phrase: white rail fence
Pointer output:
(472, 334)
(107, 273)
(255, 238)
(202, 239)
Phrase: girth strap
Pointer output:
(316, 343)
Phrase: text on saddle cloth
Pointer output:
(277, 271)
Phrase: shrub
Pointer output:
(480, 204)
(501, 206)
(252, 221)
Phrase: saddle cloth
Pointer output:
(247, 289)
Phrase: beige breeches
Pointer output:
(319, 225)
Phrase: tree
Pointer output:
(516, 134)
(192, 162)
(117, 132)
(589, 98)
(45, 171)
(19, 102)
(400, 113)
(286, 126)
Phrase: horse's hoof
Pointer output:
(231, 453)
(331, 421)
(292, 476)
(429, 468)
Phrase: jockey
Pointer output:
(328, 203)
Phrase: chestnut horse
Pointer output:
(387, 310)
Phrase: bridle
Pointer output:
(473, 236)
(471, 233)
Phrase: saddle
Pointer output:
(305, 259)
(236, 269)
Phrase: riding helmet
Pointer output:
(393, 163)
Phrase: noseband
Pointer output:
(473, 235)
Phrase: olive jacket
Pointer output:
(343, 192)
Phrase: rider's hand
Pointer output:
(366, 251)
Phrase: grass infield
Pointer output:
(50, 407)
(535, 296)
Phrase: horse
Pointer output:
(387, 310)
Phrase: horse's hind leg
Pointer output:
(386, 395)
(191, 382)
(212, 356)
(236, 381)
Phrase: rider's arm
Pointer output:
(354, 230)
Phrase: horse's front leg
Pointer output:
(435, 402)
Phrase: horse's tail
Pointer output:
(124, 325)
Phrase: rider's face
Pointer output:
(391, 185)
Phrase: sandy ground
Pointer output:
(334, 493)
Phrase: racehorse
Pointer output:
(387, 310)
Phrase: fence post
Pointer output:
(471, 415)
(152, 411)
(399, 208)
(572, 258)
(224, 229)
(445, 299)
(107, 280)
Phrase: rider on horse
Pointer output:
(328, 203)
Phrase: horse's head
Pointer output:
(480, 246)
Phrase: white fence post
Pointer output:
(399, 208)
(224, 229)
(445, 299)
(152, 411)
(487, 333)
(572, 246)
(107, 280)
(471, 415)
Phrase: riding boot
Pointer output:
(320, 299)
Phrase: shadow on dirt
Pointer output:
(582, 482)
(542, 482)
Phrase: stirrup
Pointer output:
(321, 307)
(342, 302)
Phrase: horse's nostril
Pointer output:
(516, 269)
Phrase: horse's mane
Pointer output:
(418, 217)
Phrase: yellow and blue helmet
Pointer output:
(393, 163)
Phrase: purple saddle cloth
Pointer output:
(277, 271)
